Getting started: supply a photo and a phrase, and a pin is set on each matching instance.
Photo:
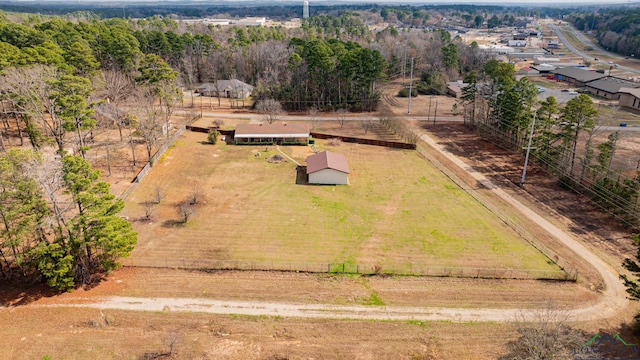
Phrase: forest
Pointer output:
(617, 30)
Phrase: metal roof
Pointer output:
(327, 160)
(271, 130)
(611, 84)
(631, 91)
(233, 84)
(578, 74)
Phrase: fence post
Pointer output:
(343, 268)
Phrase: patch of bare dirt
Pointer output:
(503, 166)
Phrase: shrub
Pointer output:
(405, 92)
(212, 137)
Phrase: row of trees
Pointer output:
(327, 75)
(563, 139)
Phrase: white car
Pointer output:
(572, 92)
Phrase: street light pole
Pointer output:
(526, 158)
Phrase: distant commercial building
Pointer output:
(609, 87)
(630, 99)
(517, 43)
(251, 21)
(576, 76)
(305, 10)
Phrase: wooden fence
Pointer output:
(350, 139)
(348, 268)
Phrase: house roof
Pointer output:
(327, 160)
(611, 84)
(271, 130)
(578, 74)
(233, 84)
(544, 67)
(631, 91)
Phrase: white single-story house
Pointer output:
(233, 88)
(327, 168)
(281, 133)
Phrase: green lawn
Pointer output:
(398, 211)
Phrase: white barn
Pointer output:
(327, 168)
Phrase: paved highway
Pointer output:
(588, 43)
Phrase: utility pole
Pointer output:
(404, 66)
(410, 88)
(429, 112)
(526, 157)
(435, 112)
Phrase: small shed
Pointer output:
(327, 168)
(455, 88)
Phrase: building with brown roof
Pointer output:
(327, 168)
(630, 98)
(280, 134)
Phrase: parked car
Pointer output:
(623, 124)
(573, 92)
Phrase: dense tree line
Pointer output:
(618, 30)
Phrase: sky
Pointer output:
(328, 2)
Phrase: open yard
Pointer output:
(397, 212)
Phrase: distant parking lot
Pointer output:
(561, 96)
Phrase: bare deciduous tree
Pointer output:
(544, 334)
(149, 126)
(196, 193)
(186, 210)
(158, 194)
(366, 124)
(116, 88)
(270, 109)
(314, 117)
(31, 94)
(149, 210)
(217, 123)
(341, 114)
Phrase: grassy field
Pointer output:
(397, 210)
